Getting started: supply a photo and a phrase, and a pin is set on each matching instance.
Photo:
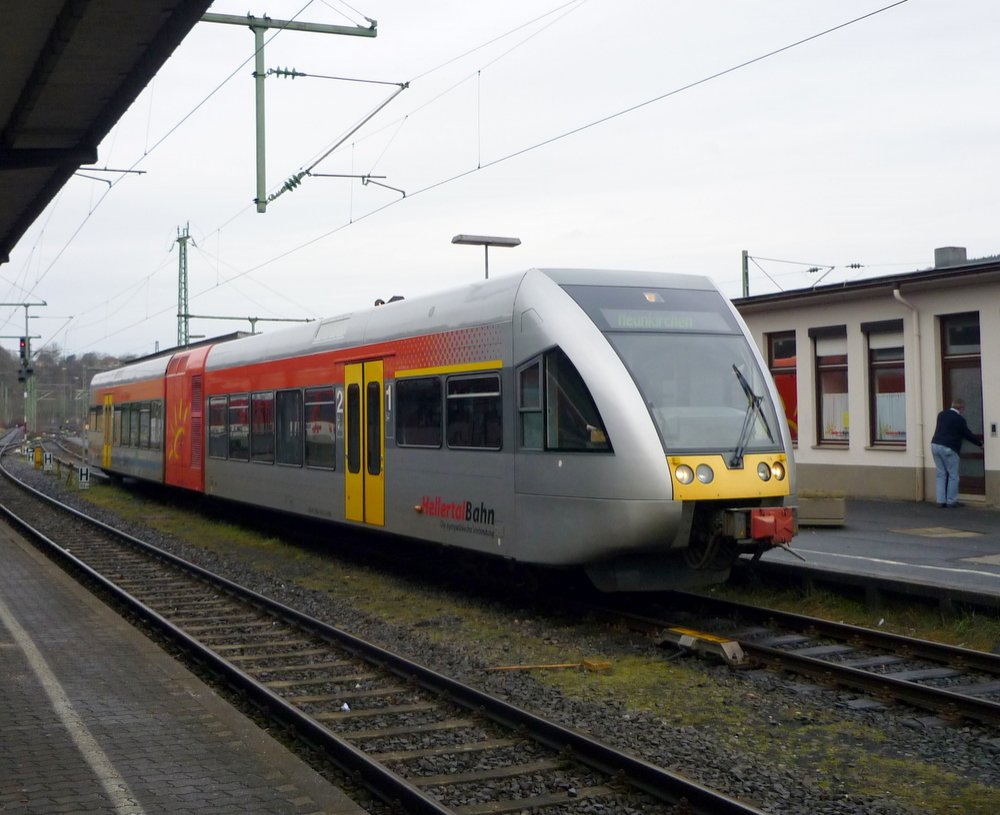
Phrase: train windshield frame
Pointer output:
(680, 346)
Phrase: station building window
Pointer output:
(781, 362)
(418, 412)
(886, 382)
(474, 412)
(833, 417)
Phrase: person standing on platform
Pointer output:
(946, 444)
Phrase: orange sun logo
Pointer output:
(175, 431)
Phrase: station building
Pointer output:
(863, 368)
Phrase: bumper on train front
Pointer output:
(771, 526)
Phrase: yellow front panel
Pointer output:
(729, 484)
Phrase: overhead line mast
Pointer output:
(183, 318)
(258, 25)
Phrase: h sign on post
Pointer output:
(84, 478)
(47, 462)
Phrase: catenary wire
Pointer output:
(576, 130)
(556, 138)
(244, 209)
(156, 144)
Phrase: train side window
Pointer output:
(143, 424)
(320, 426)
(156, 424)
(116, 426)
(529, 380)
(288, 423)
(418, 412)
(133, 434)
(262, 427)
(353, 429)
(126, 425)
(239, 427)
(474, 412)
(571, 418)
(373, 423)
(218, 440)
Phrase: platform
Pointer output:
(951, 550)
(96, 718)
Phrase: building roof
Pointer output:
(71, 68)
(965, 273)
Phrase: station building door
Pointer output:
(961, 366)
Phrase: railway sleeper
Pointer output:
(447, 750)
(476, 776)
(535, 802)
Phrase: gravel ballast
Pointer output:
(944, 768)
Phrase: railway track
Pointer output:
(949, 681)
(415, 738)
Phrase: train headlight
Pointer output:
(684, 474)
(704, 474)
(778, 470)
(764, 471)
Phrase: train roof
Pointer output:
(148, 368)
(478, 303)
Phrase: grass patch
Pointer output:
(188, 525)
(843, 757)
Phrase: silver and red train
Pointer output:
(619, 422)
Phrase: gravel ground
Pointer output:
(776, 782)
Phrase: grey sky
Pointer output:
(872, 144)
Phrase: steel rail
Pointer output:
(898, 643)
(936, 700)
(656, 781)
(382, 782)
(927, 697)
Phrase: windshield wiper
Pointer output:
(753, 407)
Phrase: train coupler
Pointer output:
(774, 525)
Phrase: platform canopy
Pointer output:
(68, 70)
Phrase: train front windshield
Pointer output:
(691, 363)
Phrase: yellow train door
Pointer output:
(107, 416)
(364, 429)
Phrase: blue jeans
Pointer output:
(946, 463)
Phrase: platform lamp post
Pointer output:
(486, 241)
